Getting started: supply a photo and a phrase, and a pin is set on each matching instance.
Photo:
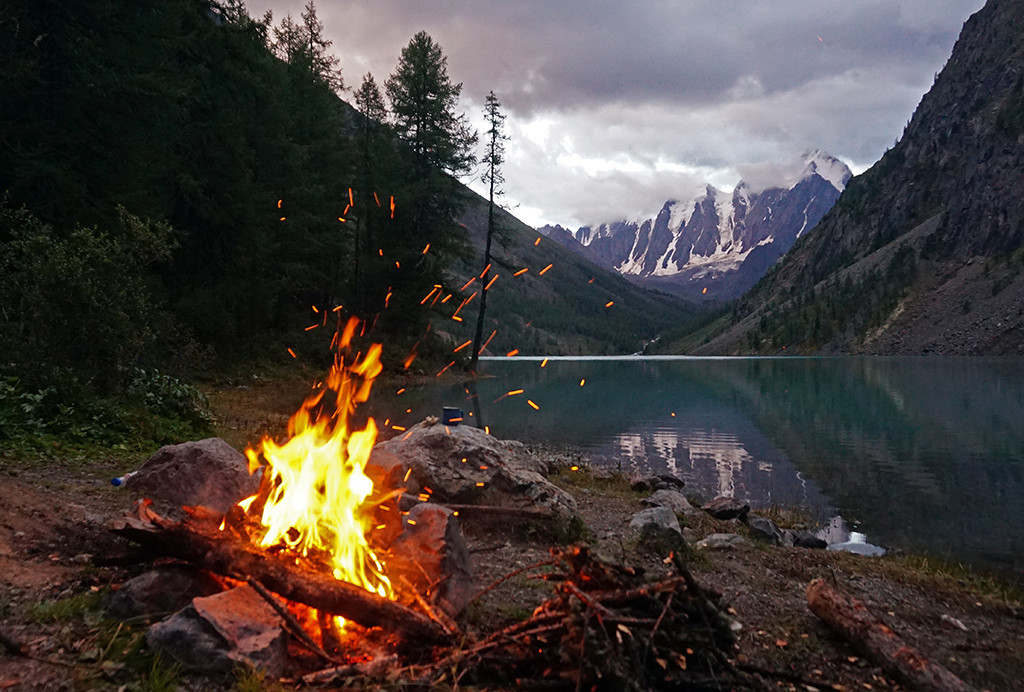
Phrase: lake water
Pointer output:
(922, 454)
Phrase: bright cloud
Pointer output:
(615, 107)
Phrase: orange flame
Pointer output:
(317, 476)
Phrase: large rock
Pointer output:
(462, 464)
(206, 472)
(432, 556)
(764, 530)
(216, 633)
(726, 508)
(159, 591)
(802, 539)
(657, 529)
(662, 517)
(672, 499)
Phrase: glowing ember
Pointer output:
(317, 480)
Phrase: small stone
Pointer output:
(672, 499)
(82, 559)
(662, 517)
(661, 481)
(857, 548)
(726, 508)
(723, 541)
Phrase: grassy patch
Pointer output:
(952, 577)
(584, 478)
(248, 679)
(161, 677)
(790, 517)
(64, 609)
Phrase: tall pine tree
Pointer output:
(492, 177)
(438, 145)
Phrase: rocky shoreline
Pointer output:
(517, 507)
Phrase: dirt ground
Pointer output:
(57, 560)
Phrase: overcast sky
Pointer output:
(615, 106)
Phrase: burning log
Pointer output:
(851, 619)
(221, 553)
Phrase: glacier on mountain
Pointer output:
(722, 242)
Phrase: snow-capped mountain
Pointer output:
(719, 244)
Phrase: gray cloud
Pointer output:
(617, 105)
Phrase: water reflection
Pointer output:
(924, 454)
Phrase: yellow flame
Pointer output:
(318, 479)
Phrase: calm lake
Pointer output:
(921, 454)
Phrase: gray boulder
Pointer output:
(661, 517)
(206, 472)
(764, 530)
(162, 590)
(726, 508)
(672, 499)
(216, 633)
(462, 464)
(802, 539)
(431, 549)
(657, 529)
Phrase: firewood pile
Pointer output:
(605, 628)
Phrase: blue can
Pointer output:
(451, 416)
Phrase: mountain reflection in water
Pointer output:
(925, 454)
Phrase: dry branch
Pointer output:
(851, 618)
(224, 554)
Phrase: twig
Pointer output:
(496, 583)
(20, 650)
(487, 548)
(583, 644)
(106, 651)
(599, 610)
(784, 675)
(657, 623)
(437, 616)
(293, 625)
(366, 668)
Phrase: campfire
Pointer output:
(313, 499)
(320, 544)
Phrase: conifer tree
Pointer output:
(437, 148)
(492, 160)
(374, 147)
(424, 104)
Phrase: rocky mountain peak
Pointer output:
(716, 245)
